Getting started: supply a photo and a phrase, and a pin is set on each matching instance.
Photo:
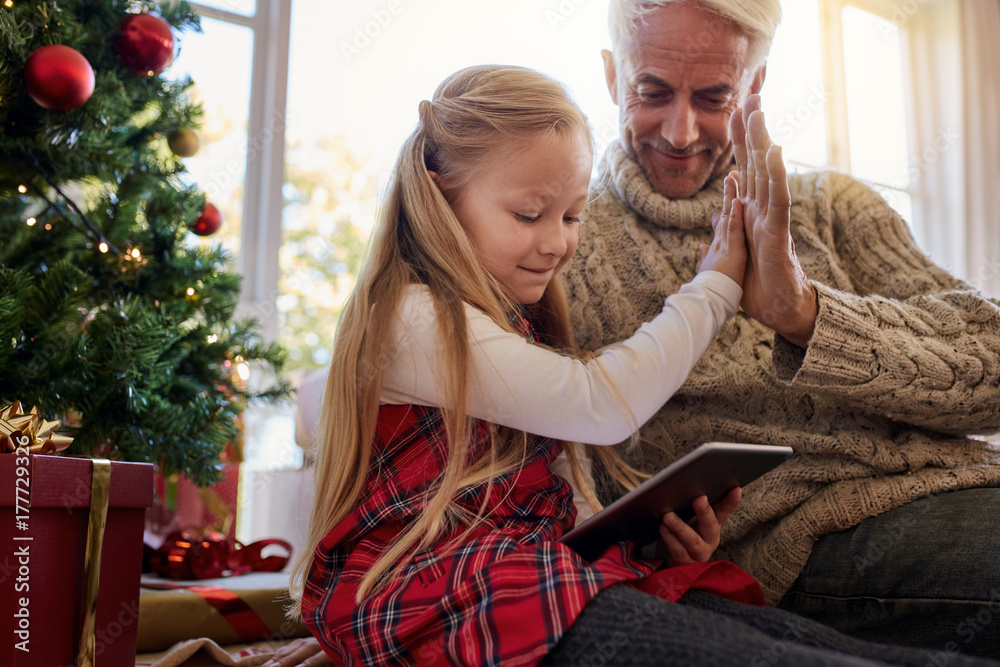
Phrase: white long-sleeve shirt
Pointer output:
(531, 388)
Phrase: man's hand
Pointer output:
(304, 652)
(695, 542)
(776, 291)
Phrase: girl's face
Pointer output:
(522, 213)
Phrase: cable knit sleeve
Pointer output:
(912, 342)
(531, 388)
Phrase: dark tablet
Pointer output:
(712, 470)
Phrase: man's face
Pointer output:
(675, 88)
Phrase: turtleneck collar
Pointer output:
(619, 172)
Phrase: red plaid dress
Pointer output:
(505, 596)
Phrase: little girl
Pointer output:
(434, 528)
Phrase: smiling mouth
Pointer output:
(675, 157)
(538, 271)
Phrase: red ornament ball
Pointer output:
(208, 222)
(145, 43)
(58, 77)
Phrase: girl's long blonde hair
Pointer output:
(477, 117)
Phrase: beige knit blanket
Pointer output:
(204, 652)
(904, 362)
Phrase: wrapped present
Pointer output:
(70, 526)
(179, 504)
(226, 610)
(210, 508)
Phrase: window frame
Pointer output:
(260, 240)
(835, 80)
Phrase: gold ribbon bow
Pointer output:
(18, 428)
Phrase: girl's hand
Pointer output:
(728, 252)
(304, 652)
(695, 542)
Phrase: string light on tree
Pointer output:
(241, 371)
(145, 44)
(58, 77)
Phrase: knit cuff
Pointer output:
(842, 350)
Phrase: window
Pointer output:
(240, 65)
(795, 98)
(223, 90)
(835, 95)
(244, 7)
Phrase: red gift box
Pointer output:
(42, 558)
(180, 505)
(213, 507)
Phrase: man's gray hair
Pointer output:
(757, 18)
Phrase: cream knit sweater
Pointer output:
(904, 361)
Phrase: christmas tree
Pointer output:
(111, 318)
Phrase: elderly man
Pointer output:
(853, 348)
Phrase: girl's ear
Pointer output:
(439, 182)
(436, 177)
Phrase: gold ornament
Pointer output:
(183, 142)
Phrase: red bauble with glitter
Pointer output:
(208, 222)
(58, 77)
(145, 44)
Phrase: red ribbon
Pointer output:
(185, 555)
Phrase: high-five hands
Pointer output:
(776, 291)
